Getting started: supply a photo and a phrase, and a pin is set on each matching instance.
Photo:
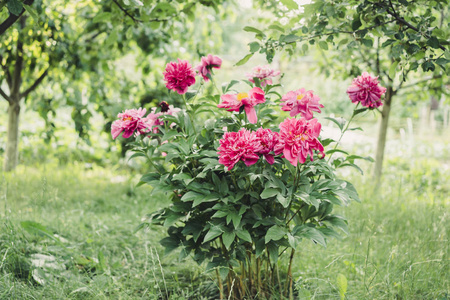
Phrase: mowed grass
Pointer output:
(68, 233)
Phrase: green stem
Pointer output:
(343, 131)
(215, 86)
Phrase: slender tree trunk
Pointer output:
(12, 146)
(382, 133)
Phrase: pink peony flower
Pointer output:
(208, 62)
(267, 140)
(153, 121)
(179, 76)
(233, 102)
(130, 121)
(301, 102)
(263, 73)
(365, 89)
(235, 146)
(299, 137)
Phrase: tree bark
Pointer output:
(382, 134)
(11, 155)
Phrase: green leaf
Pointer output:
(170, 243)
(228, 238)
(190, 196)
(392, 69)
(102, 17)
(428, 66)
(276, 27)
(289, 38)
(15, 7)
(275, 233)
(273, 252)
(339, 124)
(253, 29)
(283, 200)
(323, 45)
(244, 60)
(204, 199)
(433, 42)
(214, 232)
(33, 13)
(269, 192)
(313, 234)
(254, 46)
(342, 285)
(244, 235)
(38, 229)
(291, 4)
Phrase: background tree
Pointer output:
(399, 41)
(76, 46)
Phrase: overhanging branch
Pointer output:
(3, 94)
(34, 85)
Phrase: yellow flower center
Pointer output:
(299, 97)
(241, 96)
(127, 119)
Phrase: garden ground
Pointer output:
(68, 233)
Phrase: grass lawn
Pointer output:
(68, 233)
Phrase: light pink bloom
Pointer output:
(207, 63)
(130, 121)
(153, 121)
(233, 102)
(301, 102)
(268, 139)
(366, 89)
(300, 139)
(235, 146)
(263, 73)
(179, 76)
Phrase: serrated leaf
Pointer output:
(15, 7)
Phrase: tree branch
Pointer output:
(133, 18)
(403, 21)
(342, 31)
(3, 94)
(6, 70)
(35, 84)
(126, 12)
(13, 18)
(420, 81)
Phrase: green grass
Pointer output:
(85, 219)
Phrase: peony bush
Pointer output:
(245, 188)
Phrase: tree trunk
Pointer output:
(12, 146)
(382, 133)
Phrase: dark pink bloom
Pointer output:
(267, 140)
(263, 73)
(130, 121)
(299, 137)
(235, 146)
(179, 76)
(365, 89)
(233, 102)
(207, 63)
(301, 102)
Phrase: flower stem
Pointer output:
(343, 131)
